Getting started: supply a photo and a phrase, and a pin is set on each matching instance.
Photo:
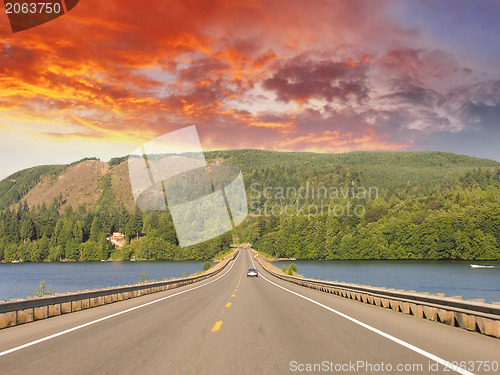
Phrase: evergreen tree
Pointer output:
(27, 230)
(95, 229)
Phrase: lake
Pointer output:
(21, 279)
(451, 277)
(454, 278)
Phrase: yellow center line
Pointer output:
(234, 295)
(217, 326)
(236, 290)
(228, 304)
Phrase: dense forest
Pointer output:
(46, 234)
(408, 205)
(386, 170)
(458, 219)
(57, 232)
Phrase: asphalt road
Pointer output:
(231, 324)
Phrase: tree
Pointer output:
(78, 231)
(10, 253)
(95, 229)
(56, 253)
(123, 217)
(27, 230)
(66, 233)
(134, 225)
(91, 250)
(35, 252)
(43, 246)
(72, 249)
(163, 250)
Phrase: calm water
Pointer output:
(453, 278)
(450, 277)
(20, 280)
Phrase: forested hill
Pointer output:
(428, 205)
(83, 182)
(381, 169)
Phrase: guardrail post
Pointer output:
(430, 313)
(76, 305)
(465, 321)
(85, 303)
(386, 303)
(446, 316)
(65, 307)
(40, 312)
(416, 310)
(54, 309)
(395, 305)
(405, 308)
(8, 319)
(492, 328)
(24, 316)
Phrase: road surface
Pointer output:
(231, 324)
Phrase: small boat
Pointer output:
(480, 266)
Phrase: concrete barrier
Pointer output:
(19, 311)
(472, 315)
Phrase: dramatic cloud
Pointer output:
(301, 79)
(319, 75)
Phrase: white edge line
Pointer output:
(110, 316)
(375, 330)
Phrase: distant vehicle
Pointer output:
(252, 272)
(480, 266)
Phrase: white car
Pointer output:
(252, 272)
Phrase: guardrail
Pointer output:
(17, 312)
(472, 315)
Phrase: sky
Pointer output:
(298, 75)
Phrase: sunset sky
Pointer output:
(326, 76)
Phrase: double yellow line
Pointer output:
(218, 324)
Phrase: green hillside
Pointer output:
(382, 169)
(385, 170)
(428, 205)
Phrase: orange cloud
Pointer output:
(283, 127)
(128, 70)
(336, 141)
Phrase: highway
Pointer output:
(231, 324)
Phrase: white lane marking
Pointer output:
(112, 315)
(431, 356)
